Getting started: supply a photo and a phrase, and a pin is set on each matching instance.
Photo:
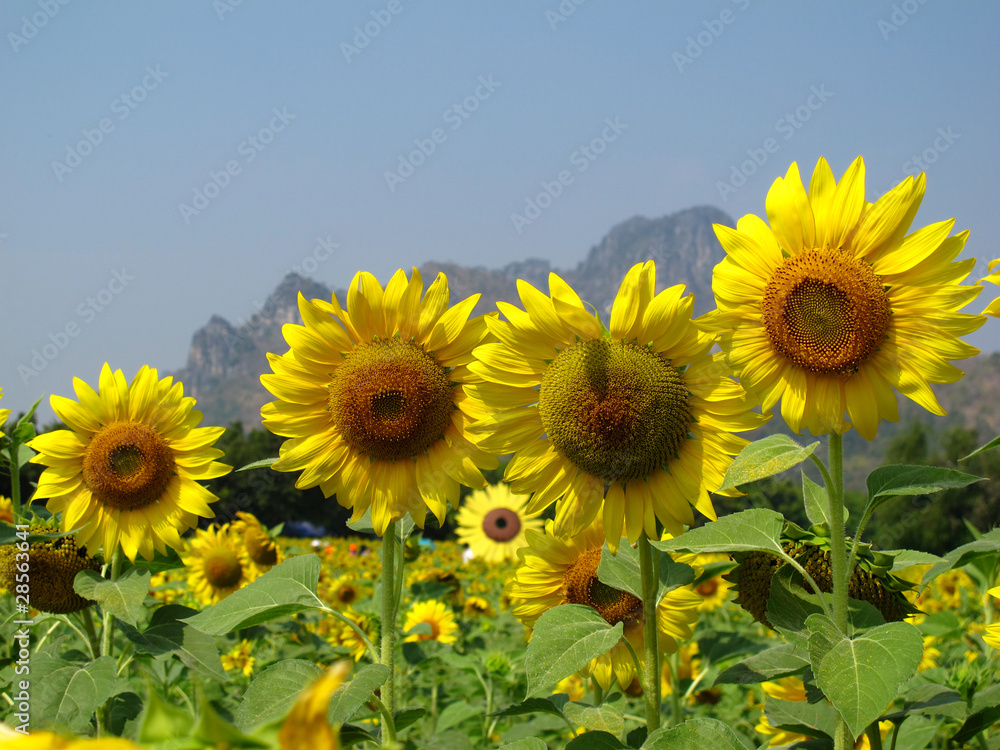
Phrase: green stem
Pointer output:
(981, 739)
(838, 560)
(108, 639)
(651, 668)
(598, 693)
(389, 632)
(372, 651)
(677, 713)
(88, 623)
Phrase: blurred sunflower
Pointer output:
(349, 638)
(372, 399)
(263, 552)
(477, 606)
(559, 570)
(240, 658)
(492, 522)
(342, 592)
(127, 470)
(6, 510)
(992, 634)
(307, 726)
(217, 564)
(834, 305)
(640, 417)
(4, 413)
(435, 614)
(993, 308)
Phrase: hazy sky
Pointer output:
(163, 162)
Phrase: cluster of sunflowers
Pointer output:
(615, 435)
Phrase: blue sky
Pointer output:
(298, 124)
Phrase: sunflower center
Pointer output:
(222, 568)
(127, 466)
(707, 588)
(391, 399)
(616, 409)
(825, 311)
(260, 547)
(582, 587)
(501, 524)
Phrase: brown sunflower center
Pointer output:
(501, 524)
(347, 594)
(260, 547)
(616, 409)
(127, 465)
(391, 399)
(582, 587)
(222, 568)
(825, 311)
(707, 588)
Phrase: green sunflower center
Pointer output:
(391, 399)
(501, 524)
(582, 587)
(616, 409)
(128, 466)
(825, 311)
(222, 568)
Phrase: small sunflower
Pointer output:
(477, 606)
(558, 570)
(492, 522)
(342, 592)
(434, 613)
(348, 636)
(127, 470)
(50, 569)
(834, 305)
(373, 401)
(217, 564)
(263, 552)
(240, 658)
(639, 417)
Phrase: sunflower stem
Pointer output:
(838, 561)
(389, 631)
(677, 716)
(651, 668)
(874, 736)
(13, 448)
(88, 623)
(108, 639)
(598, 693)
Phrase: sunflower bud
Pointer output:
(51, 567)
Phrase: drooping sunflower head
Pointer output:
(264, 553)
(372, 398)
(493, 522)
(127, 470)
(639, 417)
(833, 306)
(435, 615)
(217, 564)
(52, 566)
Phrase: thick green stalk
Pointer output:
(838, 560)
(651, 667)
(389, 631)
(108, 639)
(675, 689)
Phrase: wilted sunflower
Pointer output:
(834, 305)
(558, 570)
(373, 399)
(127, 470)
(217, 564)
(439, 617)
(262, 550)
(639, 417)
(49, 571)
(492, 522)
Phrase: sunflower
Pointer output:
(4, 413)
(348, 636)
(217, 564)
(373, 401)
(240, 658)
(991, 309)
(52, 565)
(492, 522)
(834, 305)
(992, 636)
(639, 417)
(558, 570)
(126, 471)
(435, 614)
(477, 606)
(6, 510)
(263, 552)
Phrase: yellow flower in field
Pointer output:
(689, 667)
(476, 606)
(373, 401)
(4, 413)
(930, 654)
(217, 564)
(6, 510)
(263, 552)
(492, 522)
(714, 592)
(778, 737)
(240, 658)
(306, 727)
(992, 634)
(434, 613)
(834, 305)
(127, 470)
(349, 638)
(785, 689)
(559, 570)
(342, 592)
(573, 686)
(639, 418)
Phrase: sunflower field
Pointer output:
(593, 598)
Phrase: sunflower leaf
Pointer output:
(66, 694)
(753, 530)
(283, 590)
(694, 734)
(989, 446)
(565, 638)
(262, 464)
(350, 696)
(811, 719)
(765, 458)
(595, 741)
(817, 502)
(274, 691)
(603, 718)
(773, 664)
(166, 634)
(122, 598)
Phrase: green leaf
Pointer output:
(404, 717)
(551, 705)
(168, 634)
(935, 700)
(781, 661)
(907, 558)
(892, 481)
(987, 545)
(283, 590)
(722, 645)
(9, 535)
(622, 571)
(595, 741)
(67, 695)
(526, 743)
(817, 502)
(162, 563)
(765, 458)
(990, 445)
(861, 676)
(564, 639)
(811, 719)
(214, 731)
(916, 733)
(352, 734)
(262, 464)
(694, 734)
(747, 531)
(453, 740)
(604, 718)
(122, 598)
(976, 723)
(162, 721)
(273, 692)
(454, 714)
(350, 696)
